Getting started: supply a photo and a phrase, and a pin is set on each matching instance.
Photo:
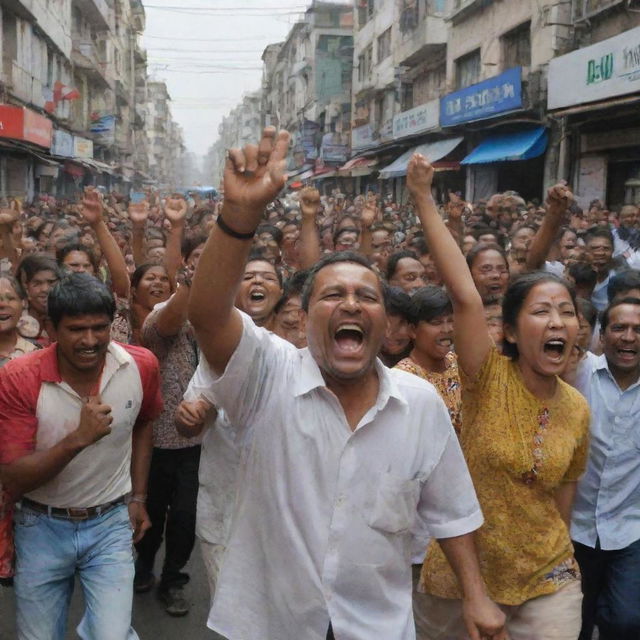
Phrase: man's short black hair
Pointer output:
(583, 274)
(79, 294)
(623, 282)
(30, 265)
(394, 259)
(272, 230)
(293, 287)
(598, 232)
(257, 254)
(329, 259)
(604, 318)
(190, 243)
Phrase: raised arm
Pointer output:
(175, 210)
(368, 217)
(138, 214)
(472, 338)
(309, 241)
(558, 200)
(8, 249)
(253, 177)
(92, 207)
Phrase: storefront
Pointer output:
(594, 93)
(25, 137)
(507, 153)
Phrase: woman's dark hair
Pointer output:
(30, 265)
(623, 282)
(392, 263)
(140, 271)
(77, 294)
(429, 303)
(396, 301)
(190, 243)
(338, 232)
(329, 259)
(257, 254)
(272, 230)
(604, 316)
(515, 296)
(481, 247)
(587, 311)
(63, 252)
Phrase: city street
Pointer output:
(149, 619)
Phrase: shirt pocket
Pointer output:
(395, 504)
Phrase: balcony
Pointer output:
(85, 56)
(587, 9)
(418, 38)
(22, 84)
(97, 12)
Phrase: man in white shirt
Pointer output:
(344, 453)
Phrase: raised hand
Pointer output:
(559, 198)
(310, 204)
(138, 213)
(419, 176)
(92, 206)
(253, 177)
(175, 209)
(369, 211)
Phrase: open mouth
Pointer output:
(257, 296)
(5, 316)
(555, 348)
(627, 353)
(349, 337)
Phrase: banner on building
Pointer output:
(62, 144)
(82, 147)
(334, 149)
(500, 94)
(103, 128)
(603, 70)
(20, 123)
(362, 138)
(424, 117)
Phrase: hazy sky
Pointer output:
(208, 52)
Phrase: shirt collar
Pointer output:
(115, 358)
(310, 377)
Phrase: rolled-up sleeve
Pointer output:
(258, 365)
(448, 503)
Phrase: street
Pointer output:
(149, 619)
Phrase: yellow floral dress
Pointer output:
(447, 383)
(519, 449)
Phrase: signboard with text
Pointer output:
(489, 98)
(417, 120)
(82, 147)
(62, 144)
(362, 138)
(603, 70)
(20, 123)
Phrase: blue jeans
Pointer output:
(50, 551)
(611, 588)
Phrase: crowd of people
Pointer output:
(379, 419)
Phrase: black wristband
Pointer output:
(231, 232)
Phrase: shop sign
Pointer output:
(104, 128)
(603, 70)
(362, 138)
(417, 120)
(486, 99)
(20, 123)
(62, 144)
(82, 147)
(333, 148)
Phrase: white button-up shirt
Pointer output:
(607, 504)
(321, 527)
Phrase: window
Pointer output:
(365, 11)
(468, 69)
(406, 96)
(364, 63)
(516, 47)
(409, 16)
(384, 45)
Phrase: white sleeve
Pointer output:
(448, 504)
(255, 374)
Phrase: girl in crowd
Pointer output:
(524, 436)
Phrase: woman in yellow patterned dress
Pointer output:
(525, 440)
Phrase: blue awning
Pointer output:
(522, 145)
(433, 150)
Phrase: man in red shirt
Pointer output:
(75, 445)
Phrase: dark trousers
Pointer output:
(171, 505)
(611, 591)
(330, 635)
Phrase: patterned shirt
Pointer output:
(447, 383)
(519, 450)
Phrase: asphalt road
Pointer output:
(149, 618)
